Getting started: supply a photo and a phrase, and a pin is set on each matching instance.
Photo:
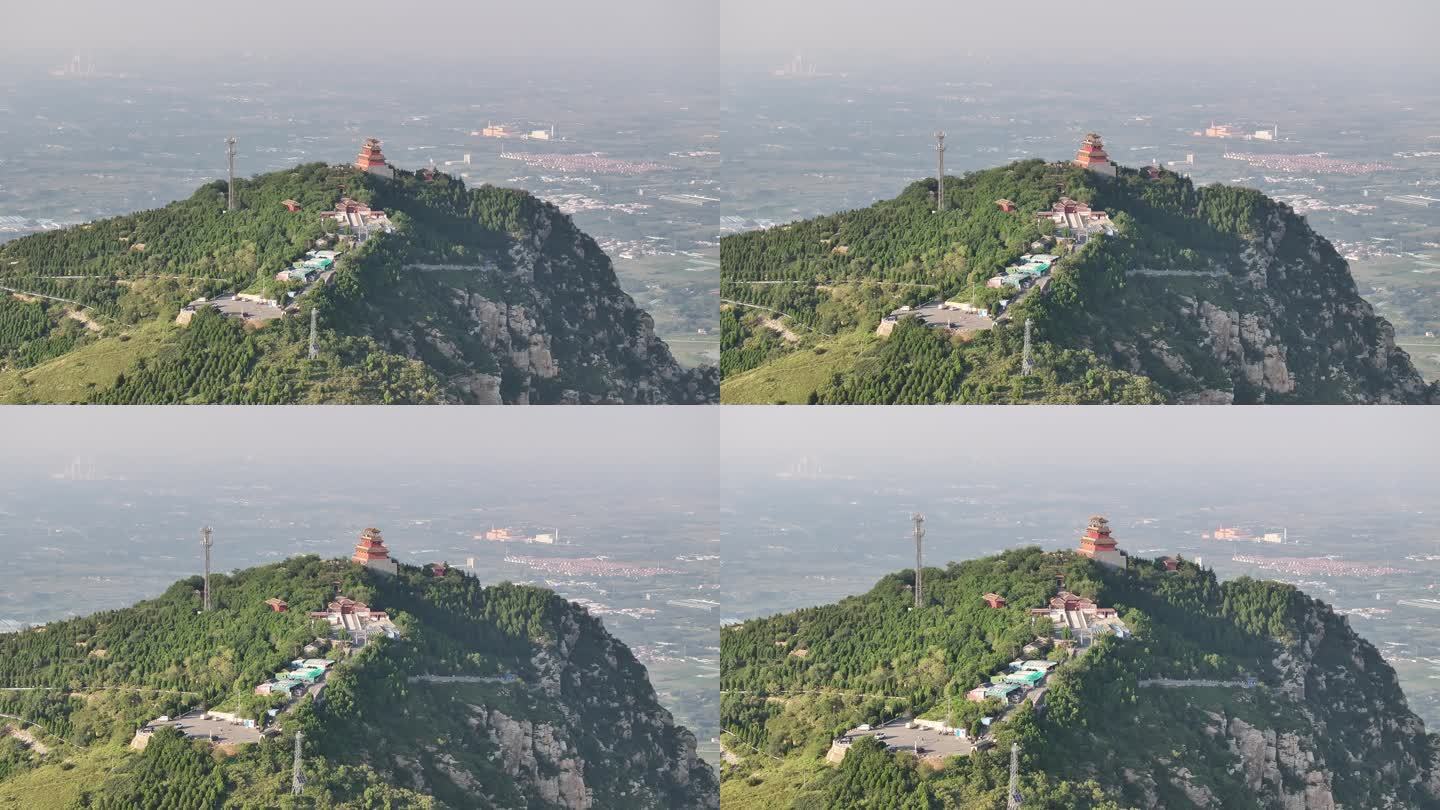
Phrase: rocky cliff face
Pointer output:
(525, 310)
(1279, 769)
(1338, 736)
(538, 754)
(1268, 314)
(564, 719)
(641, 734)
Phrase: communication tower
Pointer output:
(230, 154)
(1026, 366)
(940, 171)
(919, 521)
(1012, 797)
(295, 780)
(205, 542)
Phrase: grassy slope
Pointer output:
(791, 378)
(58, 786)
(72, 376)
(772, 787)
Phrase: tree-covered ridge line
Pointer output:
(530, 309)
(1140, 303)
(110, 667)
(1097, 722)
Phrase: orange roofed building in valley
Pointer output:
(372, 553)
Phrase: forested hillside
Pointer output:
(1213, 294)
(481, 295)
(1103, 736)
(542, 707)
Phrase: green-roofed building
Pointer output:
(1026, 677)
(1004, 691)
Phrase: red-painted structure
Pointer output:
(1092, 155)
(371, 157)
(1005, 205)
(994, 600)
(290, 205)
(1096, 542)
(276, 604)
(371, 548)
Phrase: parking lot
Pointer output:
(246, 310)
(935, 315)
(194, 726)
(896, 736)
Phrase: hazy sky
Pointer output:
(1101, 31)
(357, 37)
(493, 438)
(963, 442)
(665, 34)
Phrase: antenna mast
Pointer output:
(1026, 366)
(206, 543)
(1012, 799)
(295, 780)
(314, 346)
(230, 153)
(919, 521)
(940, 171)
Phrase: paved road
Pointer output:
(42, 728)
(1141, 271)
(776, 311)
(54, 298)
(1172, 683)
(508, 678)
(838, 281)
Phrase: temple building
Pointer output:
(371, 553)
(1076, 218)
(357, 620)
(1097, 544)
(373, 161)
(1092, 156)
(358, 217)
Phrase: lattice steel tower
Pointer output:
(314, 345)
(919, 521)
(230, 154)
(1012, 799)
(206, 543)
(940, 171)
(295, 780)
(1026, 366)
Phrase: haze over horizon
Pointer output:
(366, 33)
(918, 32)
(577, 441)
(1296, 444)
